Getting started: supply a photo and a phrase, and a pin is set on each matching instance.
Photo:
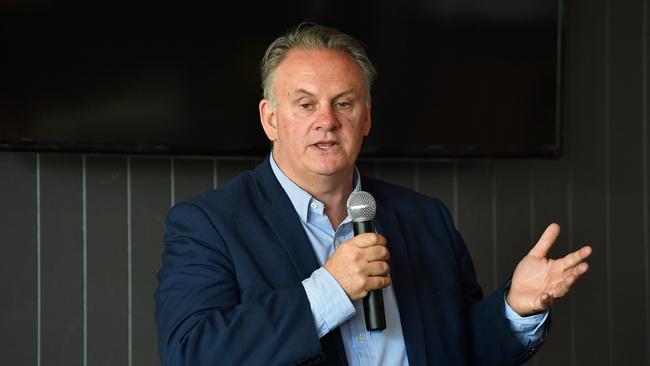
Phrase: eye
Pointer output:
(306, 106)
(343, 104)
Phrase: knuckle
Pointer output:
(381, 267)
(354, 286)
(361, 239)
(364, 283)
(351, 243)
(364, 240)
(372, 239)
(344, 247)
(379, 238)
(385, 267)
(356, 255)
(355, 269)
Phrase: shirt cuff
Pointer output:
(528, 329)
(330, 305)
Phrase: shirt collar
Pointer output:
(298, 196)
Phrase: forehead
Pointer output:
(318, 70)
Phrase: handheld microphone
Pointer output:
(362, 208)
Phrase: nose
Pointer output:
(326, 119)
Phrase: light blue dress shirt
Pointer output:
(331, 306)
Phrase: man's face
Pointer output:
(321, 114)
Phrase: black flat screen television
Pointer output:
(464, 78)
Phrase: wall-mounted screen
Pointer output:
(462, 78)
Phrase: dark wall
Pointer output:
(81, 235)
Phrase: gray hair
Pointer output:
(313, 36)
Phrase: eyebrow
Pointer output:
(308, 93)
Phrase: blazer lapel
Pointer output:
(284, 221)
(408, 299)
(281, 216)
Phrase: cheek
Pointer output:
(293, 135)
(356, 131)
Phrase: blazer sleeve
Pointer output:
(491, 338)
(199, 316)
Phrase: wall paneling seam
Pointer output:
(39, 284)
(84, 233)
(607, 163)
(129, 245)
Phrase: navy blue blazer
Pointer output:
(230, 289)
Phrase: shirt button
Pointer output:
(362, 338)
(314, 205)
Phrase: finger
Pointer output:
(564, 286)
(545, 242)
(367, 240)
(376, 253)
(572, 259)
(574, 274)
(579, 270)
(378, 268)
(570, 279)
(377, 282)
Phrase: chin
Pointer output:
(330, 168)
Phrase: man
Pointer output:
(266, 271)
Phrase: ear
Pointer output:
(368, 122)
(268, 120)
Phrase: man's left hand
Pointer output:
(538, 281)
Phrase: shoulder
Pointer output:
(233, 198)
(398, 197)
(407, 203)
(200, 211)
(249, 193)
(228, 194)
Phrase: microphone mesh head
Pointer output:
(361, 206)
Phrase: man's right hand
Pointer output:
(360, 265)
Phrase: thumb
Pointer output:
(540, 250)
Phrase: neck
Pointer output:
(331, 190)
(335, 202)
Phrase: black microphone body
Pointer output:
(373, 303)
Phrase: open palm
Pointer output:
(538, 281)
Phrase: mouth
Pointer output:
(326, 145)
